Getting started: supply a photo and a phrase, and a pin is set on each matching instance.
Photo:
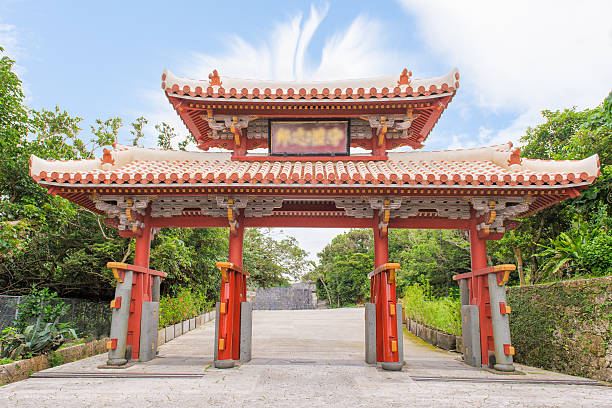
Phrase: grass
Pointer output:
(440, 313)
(72, 343)
(55, 359)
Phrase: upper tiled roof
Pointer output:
(385, 87)
(490, 166)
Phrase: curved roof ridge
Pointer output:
(388, 80)
(447, 83)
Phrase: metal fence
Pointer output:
(88, 318)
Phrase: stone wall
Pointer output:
(564, 326)
(298, 296)
(22, 369)
(434, 336)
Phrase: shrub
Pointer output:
(36, 339)
(39, 303)
(55, 359)
(184, 305)
(598, 255)
(441, 313)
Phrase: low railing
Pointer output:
(486, 316)
(135, 313)
(391, 267)
(225, 266)
(384, 319)
(233, 293)
(502, 272)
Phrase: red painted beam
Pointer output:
(383, 268)
(310, 158)
(435, 115)
(135, 268)
(190, 222)
(233, 267)
(309, 222)
(428, 223)
(486, 271)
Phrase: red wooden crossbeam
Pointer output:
(278, 221)
(383, 268)
(233, 267)
(485, 271)
(134, 268)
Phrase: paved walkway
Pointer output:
(300, 358)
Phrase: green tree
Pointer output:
(434, 255)
(341, 273)
(138, 130)
(546, 237)
(272, 262)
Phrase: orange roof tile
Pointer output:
(471, 167)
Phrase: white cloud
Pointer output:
(522, 56)
(12, 49)
(8, 40)
(355, 51)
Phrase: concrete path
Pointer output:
(300, 358)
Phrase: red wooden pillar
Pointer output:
(141, 287)
(479, 293)
(378, 150)
(241, 150)
(383, 295)
(233, 293)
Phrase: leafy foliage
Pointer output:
(441, 313)
(434, 255)
(272, 262)
(46, 334)
(138, 130)
(35, 339)
(568, 239)
(39, 304)
(185, 305)
(341, 273)
(47, 241)
(563, 326)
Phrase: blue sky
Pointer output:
(103, 59)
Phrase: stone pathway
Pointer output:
(300, 358)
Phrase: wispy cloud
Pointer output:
(351, 52)
(12, 49)
(522, 56)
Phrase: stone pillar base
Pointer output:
(392, 366)
(225, 363)
(504, 367)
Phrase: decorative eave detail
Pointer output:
(489, 173)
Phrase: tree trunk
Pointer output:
(519, 264)
(326, 291)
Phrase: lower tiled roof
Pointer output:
(489, 166)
